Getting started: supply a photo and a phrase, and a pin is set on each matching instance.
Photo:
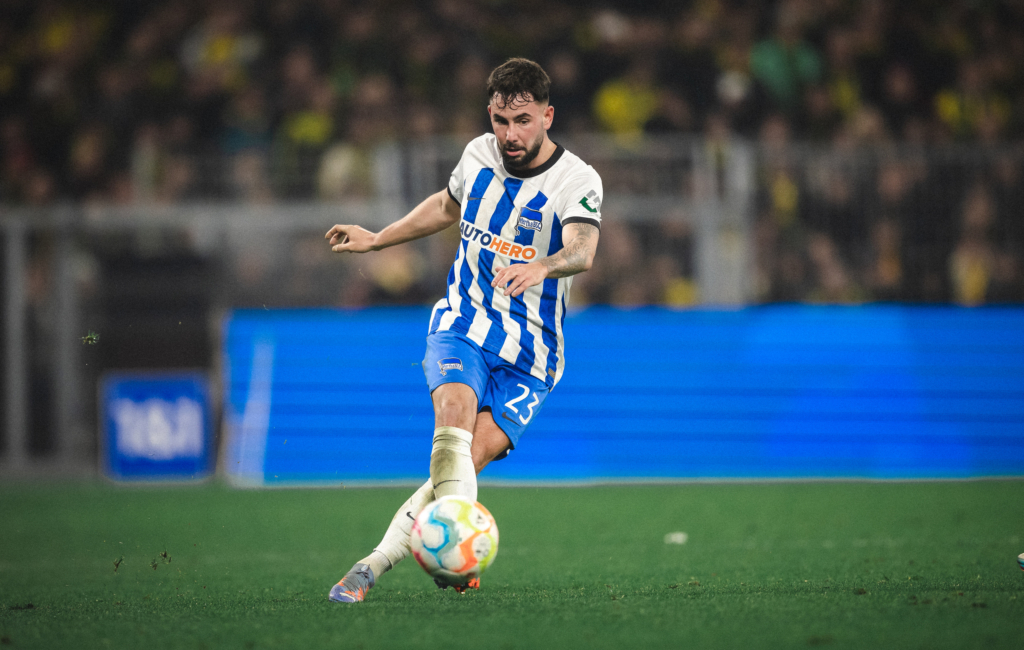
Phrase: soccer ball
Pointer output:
(454, 540)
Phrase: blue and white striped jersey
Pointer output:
(513, 219)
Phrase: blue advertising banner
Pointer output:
(787, 391)
(156, 427)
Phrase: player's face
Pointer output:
(520, 127)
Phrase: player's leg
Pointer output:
(457, 372)
(454, 409)
(391, 550)
(451, 459)
(489, 441)
(517, 397)
(451, 366)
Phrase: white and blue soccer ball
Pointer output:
(454, 540)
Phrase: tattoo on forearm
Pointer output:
(574, 257)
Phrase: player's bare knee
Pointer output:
(454, 406)
(455, 413)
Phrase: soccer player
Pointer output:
(530, 215)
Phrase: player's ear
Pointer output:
(549, 116)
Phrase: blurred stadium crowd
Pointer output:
(889, 165)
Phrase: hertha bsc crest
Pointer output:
(451, 363)
(530, 219)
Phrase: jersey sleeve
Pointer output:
(456, 183)
(580, 201)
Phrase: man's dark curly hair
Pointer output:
(518, 80)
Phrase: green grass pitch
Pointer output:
(764, 565)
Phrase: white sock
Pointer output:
(451, 463)
(395, 545)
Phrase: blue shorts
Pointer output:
(513, 397)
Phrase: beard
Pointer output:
(520, 162)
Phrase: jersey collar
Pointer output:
(540, 169)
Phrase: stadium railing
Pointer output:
(153, 279)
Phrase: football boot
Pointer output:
(474, 583)
(353, 587)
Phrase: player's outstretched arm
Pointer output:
(433, 215)
(579, 245)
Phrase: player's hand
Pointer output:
(517, 278)
(351, 239)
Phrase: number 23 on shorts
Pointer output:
(524, 418)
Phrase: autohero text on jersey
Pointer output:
(496, 244)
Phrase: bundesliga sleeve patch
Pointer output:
(592, 202)
(497, 245)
